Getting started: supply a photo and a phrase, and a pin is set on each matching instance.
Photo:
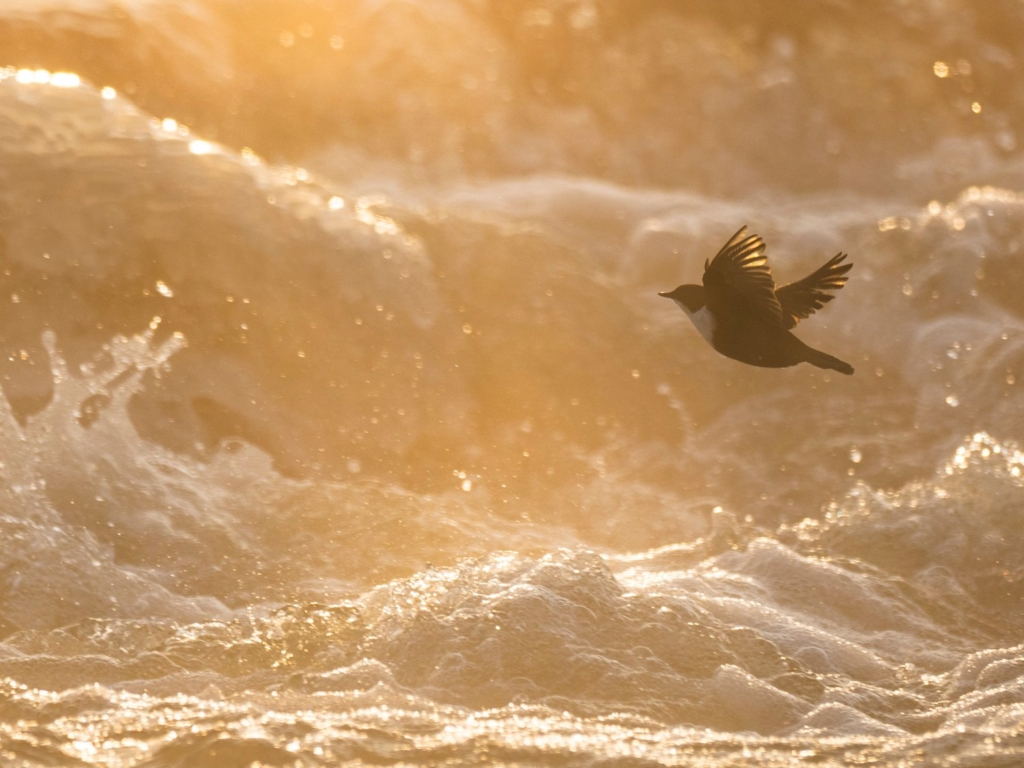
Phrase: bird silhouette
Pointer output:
(741, 313)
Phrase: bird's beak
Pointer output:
(664, 293)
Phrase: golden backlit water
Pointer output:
(342, 423)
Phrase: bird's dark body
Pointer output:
(742, 314)
(756, 343)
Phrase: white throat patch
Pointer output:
(702, 320)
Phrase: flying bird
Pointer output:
(741, 313)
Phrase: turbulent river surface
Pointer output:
(341, 422)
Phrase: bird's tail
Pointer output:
(821, 360)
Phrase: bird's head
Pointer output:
(690, 298)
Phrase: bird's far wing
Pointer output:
(804, 297)
(738, 278)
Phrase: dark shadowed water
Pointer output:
(342, 423)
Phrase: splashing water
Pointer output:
(438, 478)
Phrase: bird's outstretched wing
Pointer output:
(802, 298)
(738, 279)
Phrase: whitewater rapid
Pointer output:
(341, 421)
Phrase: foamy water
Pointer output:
(342, 423)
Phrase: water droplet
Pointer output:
(65, 80)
